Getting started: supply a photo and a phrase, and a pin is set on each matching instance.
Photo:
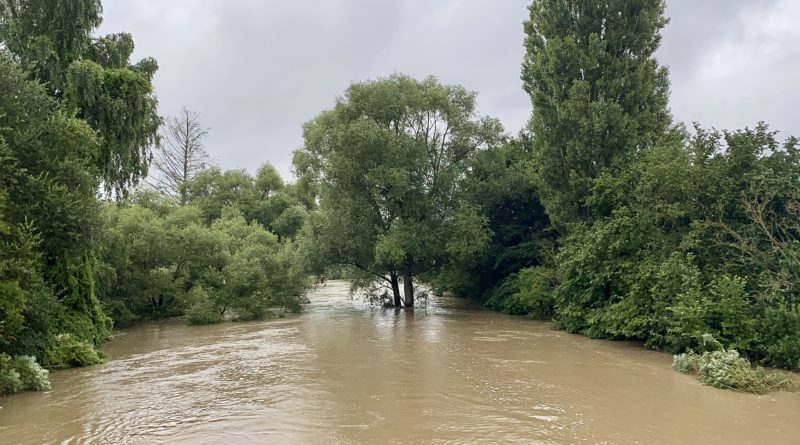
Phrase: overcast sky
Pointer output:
(256, 70)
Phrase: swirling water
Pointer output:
(343, 372)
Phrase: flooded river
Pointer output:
(342, 372)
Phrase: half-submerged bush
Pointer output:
(22, 373)
(527, 292)
(10, 381)
(203, 313)
(69, 352)
(726, 369)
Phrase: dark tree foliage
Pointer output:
(49, 216)
(500, 183)
(52, 40)
(597, 91)
(664, 235)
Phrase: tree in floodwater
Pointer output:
(597, 91)
(388, 161)
(180, 155)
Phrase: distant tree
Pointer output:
(180, 156)
(389, 160)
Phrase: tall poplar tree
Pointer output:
(598, 93)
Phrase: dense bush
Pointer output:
(31, 374)
(777, 337)
(162, 260)
(48, 208)
(726, 369)
(528, 292)
(677, 249)
(22, 373)
(203, 313)
(10, 382)
(69, 351)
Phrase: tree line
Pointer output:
(84, 245)
(603, 214)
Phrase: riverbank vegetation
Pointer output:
(211, 258)
(602, 215)
(76, 116)
(81, 246)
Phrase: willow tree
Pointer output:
(388, 160)
(91, 76)
(597, 91)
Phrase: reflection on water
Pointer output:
(343, 372)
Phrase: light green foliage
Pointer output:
(263, 198)
(202, 311)
(10, 382)
(69, 351)
(47, 35)
(726, 369)
(387, 162)
(119, 104)
(32, 376)
(203, 259)
(597, 92)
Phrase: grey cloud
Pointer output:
(257, 70)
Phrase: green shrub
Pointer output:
(69, 352)
(10, 382)
(528, 292)
(778, 337)
(203, 313)
(252, 312)
(31, 374)
(726, 369)
(121, 313)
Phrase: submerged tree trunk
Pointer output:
(408, 290)
(395, 288)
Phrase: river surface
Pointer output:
(346, 373)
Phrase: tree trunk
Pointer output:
(408, 290)
(395, 288)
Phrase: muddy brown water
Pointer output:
(342, 372)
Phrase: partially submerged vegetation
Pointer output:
(205, 260)
(726, 369)
(22, 373)
(603, 215)
(77, 116)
